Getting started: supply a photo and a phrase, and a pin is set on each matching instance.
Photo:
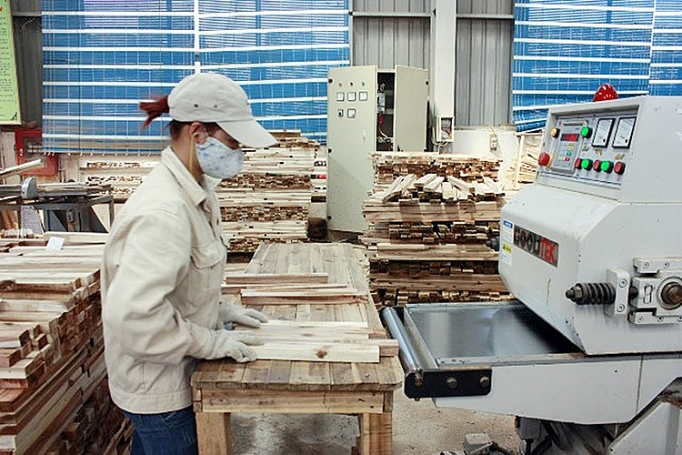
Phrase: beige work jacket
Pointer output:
(161, 274)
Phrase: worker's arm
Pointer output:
(150, 258)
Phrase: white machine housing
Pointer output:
(618, 221)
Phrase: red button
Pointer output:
(596, 166)
(543, 159)
(577, 163)
(619, 168)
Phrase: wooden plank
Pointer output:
(276, 278)
(311, 351)
(287, 287)
(213, 433)
(254, 297)
(215, 400)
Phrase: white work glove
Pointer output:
(241, 315)
(233, 344)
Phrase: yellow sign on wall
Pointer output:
(9, 88)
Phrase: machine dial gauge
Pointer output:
(624, 129)
(602, 132)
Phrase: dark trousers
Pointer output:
(168, 433)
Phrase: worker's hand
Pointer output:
(233, 344)
(241, 315)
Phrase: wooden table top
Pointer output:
(344, 265)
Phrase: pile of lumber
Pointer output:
(53, 396)
(123, 174)
(390, 165)
(328, 323)
(269, 201)
(435, 188)
(525, 164)
(428, 235)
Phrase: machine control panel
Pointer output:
(591, 148)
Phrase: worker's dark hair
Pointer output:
(160, 106)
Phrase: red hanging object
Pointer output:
(605, 92)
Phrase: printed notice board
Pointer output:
(9, 89)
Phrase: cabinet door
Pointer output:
(351, 138)
(410, 96)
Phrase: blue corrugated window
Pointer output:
(564, 50)
(101, 57)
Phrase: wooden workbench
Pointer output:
(281, 386)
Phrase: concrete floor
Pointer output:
(419, 428)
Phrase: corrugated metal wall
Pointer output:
(389, 33)
(485, 31)
(28, 51)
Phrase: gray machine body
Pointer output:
(596, 376)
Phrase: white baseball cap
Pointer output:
(214, 98)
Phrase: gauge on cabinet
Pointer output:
(602, 132)
(624, 129)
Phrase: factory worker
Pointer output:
(164, 263)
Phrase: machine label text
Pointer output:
(537, 245)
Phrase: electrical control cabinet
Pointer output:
(368, 110)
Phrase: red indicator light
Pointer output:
(596, 166)
(619, 167)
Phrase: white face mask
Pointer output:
(218, 160)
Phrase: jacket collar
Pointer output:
(186, 180)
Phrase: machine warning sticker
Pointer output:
(507, 231)
(506, 253)
(537, 245)
(506, 241)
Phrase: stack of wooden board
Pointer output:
(51, 350)
(320, 335)
(390, 165)
(123, 173)
(428, 234)
(270, 200)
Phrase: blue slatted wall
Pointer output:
(564, 50)
(101, 57)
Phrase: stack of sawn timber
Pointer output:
(430, 220)
(53, 388)
(270, 200)
(311, 319)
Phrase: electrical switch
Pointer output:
(607, 166)
(554, 132)
(586, 132)
(544, 159)
(586, 164)
(596, 166)
(619, 168)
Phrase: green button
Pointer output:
(586, 131)
(606, 166)
(586, 164)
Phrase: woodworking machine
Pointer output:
(590, 356)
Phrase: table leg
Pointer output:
(213, 433)
(376, 434)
